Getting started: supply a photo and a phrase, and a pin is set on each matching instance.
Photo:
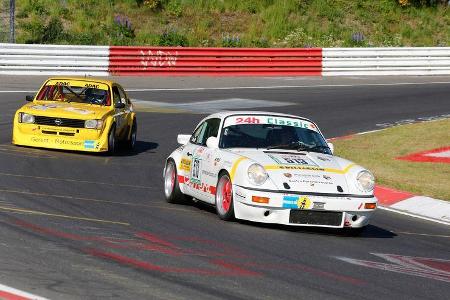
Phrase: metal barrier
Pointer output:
(17, 59)
(177, 61)
(386, 61)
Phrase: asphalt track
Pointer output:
(82, 226)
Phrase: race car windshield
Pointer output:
(271, 136)
(73, 93)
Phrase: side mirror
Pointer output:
(29, 98)
(183, 139)
(331, 146)
(212, 142)
(119, 105)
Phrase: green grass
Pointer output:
(248, 23)
(377, 152)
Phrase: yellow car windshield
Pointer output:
(75, 93)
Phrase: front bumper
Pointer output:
(54, 137)
(282, 207)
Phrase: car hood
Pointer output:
(303, 171)
(70, 110)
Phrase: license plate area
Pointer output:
(314, 217)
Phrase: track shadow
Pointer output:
(370, 231)
(140, 147)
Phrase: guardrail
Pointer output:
(19, 59)
(178, 61)
(386, 61)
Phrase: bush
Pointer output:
(50, 33)
(172, 38)
(53, 32)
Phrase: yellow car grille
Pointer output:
(61, 122)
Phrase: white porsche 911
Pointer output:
(271, 168)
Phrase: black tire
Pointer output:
(131, 142)
(172, 190)
(224, 197)
(112, 140)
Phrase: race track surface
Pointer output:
(85, 226)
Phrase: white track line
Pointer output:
(20, 293)
(413, 215)
(267, 87)
(287, 86)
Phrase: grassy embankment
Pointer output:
(377, 152)
(233, 23)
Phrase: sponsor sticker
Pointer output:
(270, 120)
(296, 202)
(195, 170)
(44, 106)
(79, 83)
(89, 144)
(78, 110)
(185, 164)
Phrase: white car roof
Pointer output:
(224, 114)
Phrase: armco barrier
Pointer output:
(178, 61)
(17, 59)
(386, 61)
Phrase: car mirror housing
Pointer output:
(119, 105)
(183, 139)
(331, 146)
(29, 97)
(212, 142)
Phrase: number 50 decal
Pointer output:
(195, 173)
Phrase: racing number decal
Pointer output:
(195, 170)
(297, 161)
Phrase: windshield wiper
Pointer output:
(319, 147)
(299, 146)
(292, 145)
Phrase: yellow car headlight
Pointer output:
(93, 124)
(26, 118)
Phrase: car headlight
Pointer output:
(26, 118)
(93, 124)
(366, 181)
(257, 175)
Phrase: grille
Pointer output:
(312, 217)
(61, 122)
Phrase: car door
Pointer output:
(128, 108)
(120, 114)
(201, 183)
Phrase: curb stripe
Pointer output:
(9, 293)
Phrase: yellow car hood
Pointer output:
(70, 110)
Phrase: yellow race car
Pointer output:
(76, 114)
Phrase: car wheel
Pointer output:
(172, 190)
(112, 142)
(224, 198)
(131, 143)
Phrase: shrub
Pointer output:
(53, 32)
(172, 38)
